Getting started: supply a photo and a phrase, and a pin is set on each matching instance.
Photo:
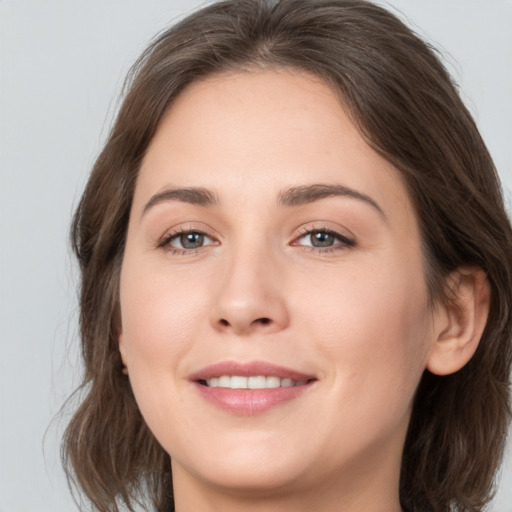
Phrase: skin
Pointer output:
(356, 315)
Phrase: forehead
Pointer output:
(251, 134)
(256, 115)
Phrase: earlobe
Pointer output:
(118, 328)
(122, 348)
(459, 325)
(120, 340)
(122, 351)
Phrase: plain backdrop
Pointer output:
(62, 63)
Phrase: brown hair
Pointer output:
(406, 107)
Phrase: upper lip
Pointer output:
(248, 369)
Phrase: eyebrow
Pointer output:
(294, 196)
(192, 195)
(306, 194)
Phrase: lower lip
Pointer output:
(248, 402)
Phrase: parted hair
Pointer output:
(405, 105)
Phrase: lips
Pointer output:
(251, 369)
(250, 388)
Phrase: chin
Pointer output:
(250, 469)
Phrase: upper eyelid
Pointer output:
(165, 242)
(341, 232)
(187, 228)
(344, 235)
(343, 239)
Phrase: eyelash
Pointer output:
(343, 242)
(165, 242)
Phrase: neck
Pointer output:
(357, 490)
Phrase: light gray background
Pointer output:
(61, 66)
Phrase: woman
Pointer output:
(296, 280)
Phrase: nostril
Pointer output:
(242, 326)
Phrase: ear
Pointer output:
(122, 348)
(119, 333)
(460, 323)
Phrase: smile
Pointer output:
(253, 382)
(250, 388)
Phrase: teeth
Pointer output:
(238, 382)
(224, 382)
(273, 382)
(259, 382)
(256, 382)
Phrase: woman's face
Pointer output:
(269, 245)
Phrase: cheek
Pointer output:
(373, 330)
(160, 314)
(160, 318)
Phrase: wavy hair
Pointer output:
(406, 107)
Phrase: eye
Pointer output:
(324, 239)
(187, 240)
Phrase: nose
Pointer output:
(250, 297)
